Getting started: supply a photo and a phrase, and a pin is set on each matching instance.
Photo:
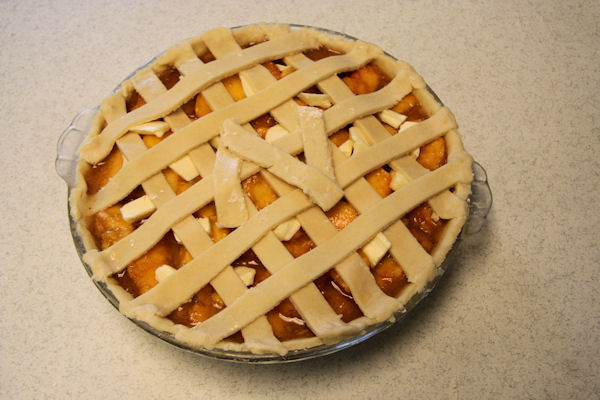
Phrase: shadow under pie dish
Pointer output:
(269, 193)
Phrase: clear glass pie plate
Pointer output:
(480, 202)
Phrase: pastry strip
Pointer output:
(229, 196)
(314, 139)
(446, 205)
(313, 182)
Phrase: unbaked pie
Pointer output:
(266, 189)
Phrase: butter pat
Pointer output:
(285, 69)
(157, 128)
(185, 168)
(376, 248)
(246, 85)
(360, 143)
(275, 132)
(415, 153)
(137, 209)
(205, 222)
(398, 180)
(406, 125)
(347, 147)
(161, 273)
(316, 99)
(287, 229)
(392, 118)
(215, 142)
(246, 274)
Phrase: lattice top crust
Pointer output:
(214, 155)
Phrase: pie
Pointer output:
(270, 188)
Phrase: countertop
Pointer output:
(516, 316)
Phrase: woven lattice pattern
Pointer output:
(310, 172)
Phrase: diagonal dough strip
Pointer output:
(229, 196)
(317, 149)
(321, 189)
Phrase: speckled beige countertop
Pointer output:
(517, 315)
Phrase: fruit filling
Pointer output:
(109, 226)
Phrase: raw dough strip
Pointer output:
(229, 196)
(317, 149)
(204, 129)
(446, 205)
(263, 297)
(114, 258)
(99, 146)
(322, 190)
(179, 287)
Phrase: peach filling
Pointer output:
(108, 226)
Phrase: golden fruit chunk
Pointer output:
(299, 244)
(380, 180)
(364, 80)
(205, 303)
(216, 232)
(259, 191)
(177, 183)
(341, 214)
(233, 84)
(433, 155)
(341, 302)
(389, 276)
(98, 175)
(201, 107)
(108, 226)
(142, 270)
(340, 137)
(287, 323)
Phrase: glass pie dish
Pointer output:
(66, 166)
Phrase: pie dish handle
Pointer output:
(480, 201)
(68, 144)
